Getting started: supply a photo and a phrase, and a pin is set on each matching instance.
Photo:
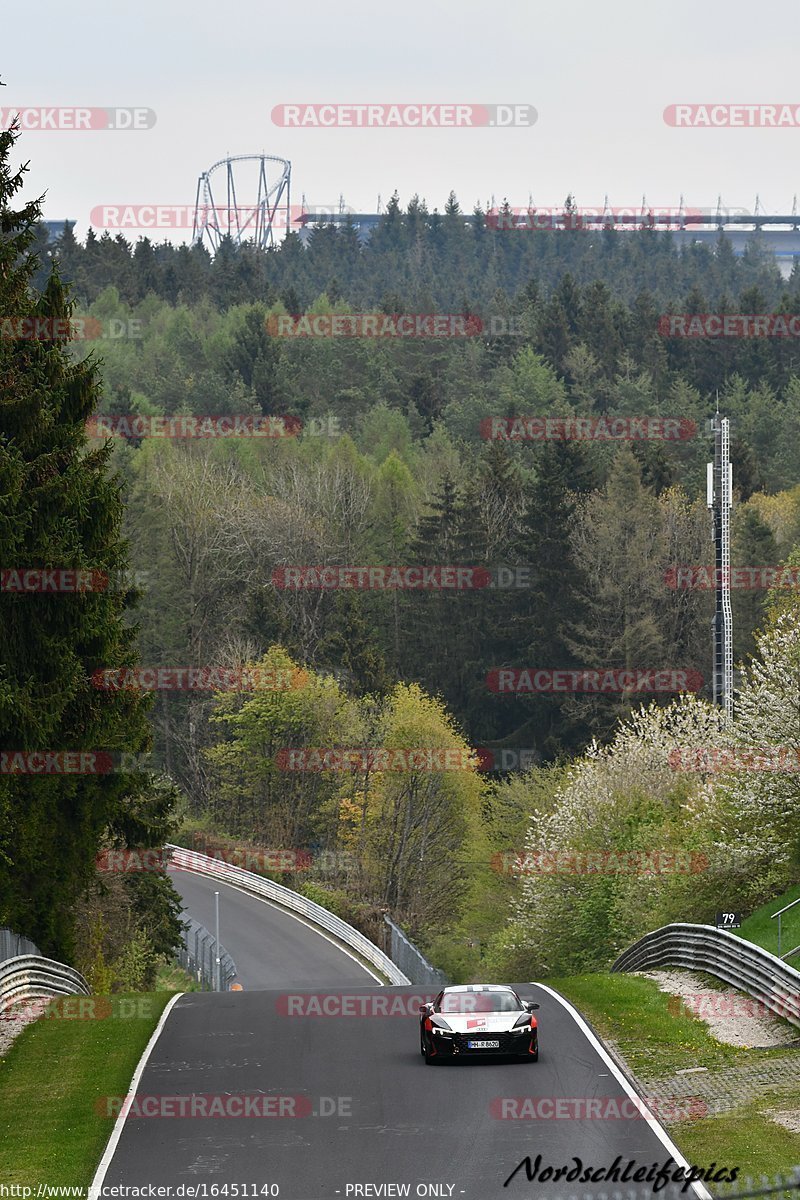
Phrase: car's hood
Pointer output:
(479, 1023)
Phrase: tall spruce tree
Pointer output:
(59, 509)
(546, 613)
(753, 546)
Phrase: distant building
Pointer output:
(56, 228)
(364, 222)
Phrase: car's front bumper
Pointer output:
(518, 1045)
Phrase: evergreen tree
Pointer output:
(350, 644)
(619, 545)
(59, 510)
(255, 357)
(431, 619)
(753, 546)
(547, 613)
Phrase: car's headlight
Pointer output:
(442, 1032)
(524, 1024)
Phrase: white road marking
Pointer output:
(116, 1132)
(656, 1126)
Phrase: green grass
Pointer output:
(654, 1036)
(759, 928)
(52, 1081)
(745, 1139)
(656, 1039)
(172, 978)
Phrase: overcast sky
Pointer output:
(599, 75)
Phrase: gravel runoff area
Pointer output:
(732, 1017)
(14, 1019)
(736, 1019)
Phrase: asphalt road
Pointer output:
(353, 1106)
(270, 948)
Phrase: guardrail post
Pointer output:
(216, 973)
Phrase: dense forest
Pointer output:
(389, 463)
(394, 465)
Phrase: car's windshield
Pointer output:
(482, 1002)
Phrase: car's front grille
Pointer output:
(508, 1041)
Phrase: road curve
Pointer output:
(342, 1103)
(270, 947)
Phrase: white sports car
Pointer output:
(478, 1020)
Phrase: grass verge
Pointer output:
(656, 1038)
(759, 927)
(172, 978)
(52, 1084)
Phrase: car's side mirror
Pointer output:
(531, 1007)
(424, 1009)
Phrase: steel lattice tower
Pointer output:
(720, 501)
(255, 220)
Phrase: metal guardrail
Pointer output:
(283, 897)
(740, 963)
(198, 956)
(411, 960)
(12, 944)
(31, 977)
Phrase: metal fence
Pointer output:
(410, 960)
(12, 944)
(198, 957)
(740, 963)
